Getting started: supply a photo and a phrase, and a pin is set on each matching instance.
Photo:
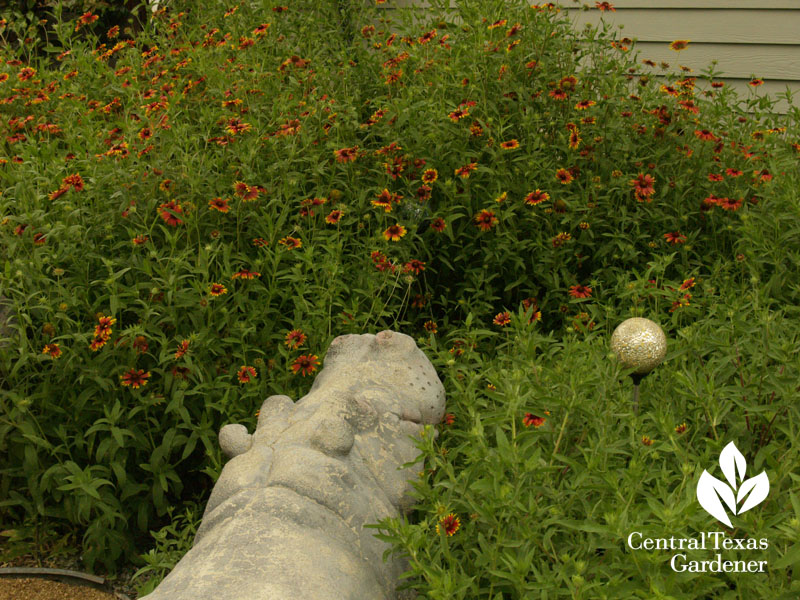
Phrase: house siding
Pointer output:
(747, 40)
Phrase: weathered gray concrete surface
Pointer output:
(285, 518)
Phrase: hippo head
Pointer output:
(342, 445)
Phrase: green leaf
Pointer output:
(791, 557)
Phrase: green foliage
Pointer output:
(545, 510)
(177, 199)
(171, 543)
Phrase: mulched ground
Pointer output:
(38, 588)
(14, 588)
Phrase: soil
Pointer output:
(40, 588)
(18, 588)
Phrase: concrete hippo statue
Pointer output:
(285, 518)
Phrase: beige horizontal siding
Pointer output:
(733, 60)
(699, 25)
(747, 38)
(658, 5)
(651, 4)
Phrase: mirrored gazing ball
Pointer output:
(639, 344)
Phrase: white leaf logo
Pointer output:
(712, 492)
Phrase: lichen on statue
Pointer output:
(286, 516)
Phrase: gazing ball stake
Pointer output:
(639, 344)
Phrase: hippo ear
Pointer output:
(394, 344)
(351, 348)
(344, 347)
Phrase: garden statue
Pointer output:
(285, 518)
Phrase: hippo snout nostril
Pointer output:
(411, 415)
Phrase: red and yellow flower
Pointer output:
(438, 224)
(485, 220)
(134, 378)
(430, 176)
(564, 176)
(305, 364)
(183, 347)
(531, 419)
(393, 233)
(245, 274)
(580, 291)
(450, 523)
(294, 339)
(502, 319)
(466, 170)
(217, 289)
(246, 374)
(52, 350)
(219, 204)
(536, 197)
(290, 242)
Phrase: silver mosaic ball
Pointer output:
(639, 344)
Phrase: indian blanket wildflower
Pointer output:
(580, 291)
(561, 238)
(52, 350)
(294, 339)
(219, 204)
(466, 170)
(531, 419)
(679, 45)
(103, 329)
(246, 374)
(305, 364)
(134, 378)
(26, 73)
(75, 180)
(290, 242)
(450, 523)
(675, 237)
(183, 347)
(643, 186)
(217, 289)
(564, 176)
(140, 344)
(393, 233)
(423, 193)
(346, 154)
(245, 274)
(415, 266)
(485, 220)
(680, 302)
(430, 175)
(334, 217)
(502, 319)
(438, 224)
(536, 197)
(166, 211)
